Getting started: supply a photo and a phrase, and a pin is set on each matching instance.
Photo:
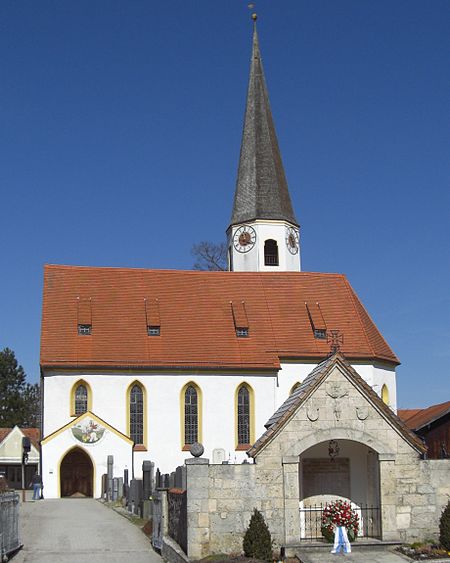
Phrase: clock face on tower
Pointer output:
(292, 240)
(244, 238)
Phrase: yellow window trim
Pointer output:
(127, 409)
(200, 413)
(72, 396)
(294, 387)
(385, 394)
(251, 395)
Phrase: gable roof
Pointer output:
(313, 380)
(415, 419)
(261, 188)
(196, 320)
(33, 433)
(88, 414)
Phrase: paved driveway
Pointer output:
(81, 531)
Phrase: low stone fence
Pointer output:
(9, 524)
(427, 498)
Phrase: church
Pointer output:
(140, 364)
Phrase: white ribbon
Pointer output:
(341, 540)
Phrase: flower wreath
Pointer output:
(339, 513)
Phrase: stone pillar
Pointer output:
(291, 500)
(109, 487)
(197, 484)
(164, 512)
(388, 497)
(147, 479)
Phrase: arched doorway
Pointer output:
(339, 469)
(76, 474)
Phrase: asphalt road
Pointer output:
(81, 531)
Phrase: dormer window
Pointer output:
(240, 319)
(84, 329)
(242, 332)
(153, 330)
(318, 325)
(320, 333)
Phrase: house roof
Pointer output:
(195, 311)
(416, 419)
(261, 188)
(32, 433)
(287, 410)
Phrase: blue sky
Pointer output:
(120, 125)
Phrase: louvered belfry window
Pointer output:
(190, 415)
(243, 416)
(81, 400)
(137, 415)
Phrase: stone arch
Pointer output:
(339, 433)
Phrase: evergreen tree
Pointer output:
(19, 401)
(257, 539)
(444, 528)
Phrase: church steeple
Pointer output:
(262, 194)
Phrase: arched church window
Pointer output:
(295, 387)
(81, 399)
(190, 415)
(136, 406)
(385, 394)
(244, 416)
(270, 252)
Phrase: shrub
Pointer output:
(444, 528)
(257, 539)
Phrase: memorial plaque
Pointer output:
(322, 476)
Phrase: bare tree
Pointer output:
(210, 256)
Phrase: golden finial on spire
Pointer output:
(254, 16)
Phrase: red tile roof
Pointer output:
(196, 318)
(415, 419)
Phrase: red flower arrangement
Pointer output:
(339, 513)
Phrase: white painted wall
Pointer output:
(163, 392)
(376, 376)
(56, 448)
(253, 260)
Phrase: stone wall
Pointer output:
(428, 498)
(221, 498)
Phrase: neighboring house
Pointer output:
(432, 424)
(11, 451)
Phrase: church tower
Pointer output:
(263, 234)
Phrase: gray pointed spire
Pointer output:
(261, 189)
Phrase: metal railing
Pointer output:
(9, 524)
(311, 521)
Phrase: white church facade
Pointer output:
(140, 364)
